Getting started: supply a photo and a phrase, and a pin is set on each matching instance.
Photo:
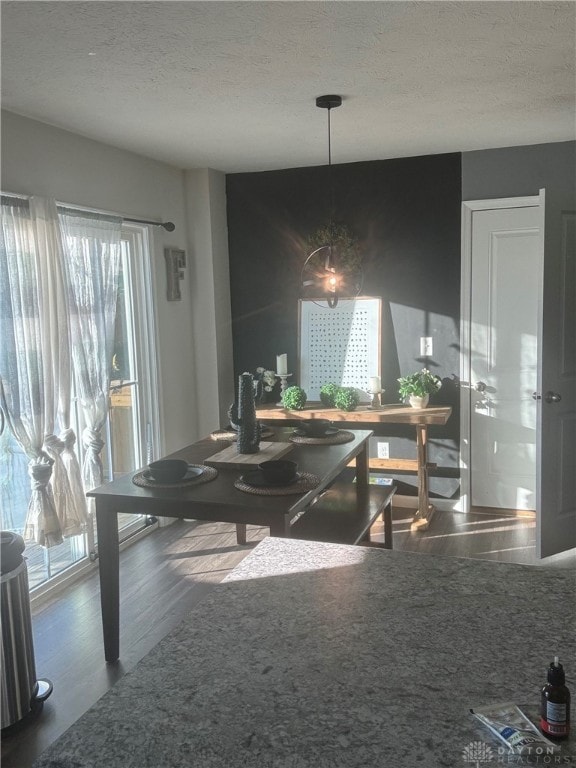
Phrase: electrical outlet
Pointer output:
(426, 346)
(383, 450)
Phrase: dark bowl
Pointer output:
(168, 470)
(279, 471)
(314, 427)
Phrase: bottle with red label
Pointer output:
(555, 704)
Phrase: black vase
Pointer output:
(248, 427)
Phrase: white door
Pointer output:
(556, 521)
(506, 293)
(487, 350)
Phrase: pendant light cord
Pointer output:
(330, 177)
(329, 102)
(331, 287)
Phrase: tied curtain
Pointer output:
(24, 361)
(92, 246)
(58, 288)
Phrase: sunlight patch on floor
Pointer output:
(523, 523)
(508, 549)
(499, 529)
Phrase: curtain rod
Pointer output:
(169, 226)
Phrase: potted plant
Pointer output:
(264, 383)
(346, 399)
(294, 398)
(328, 393)
(417, 387)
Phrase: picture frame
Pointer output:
(341, 345)
(175, 265)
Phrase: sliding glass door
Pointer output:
(132, 429)
(133, 426)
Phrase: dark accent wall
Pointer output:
(406, 216)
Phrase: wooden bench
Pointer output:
(341, 516)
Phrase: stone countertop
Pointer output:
(328, 656)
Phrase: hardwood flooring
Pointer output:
(165, 574)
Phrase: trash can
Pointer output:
(22, 694)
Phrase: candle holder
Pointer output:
(376, 404)
(283, 380)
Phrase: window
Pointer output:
(132, 430)
(133, 426)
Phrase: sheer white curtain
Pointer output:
(92, 250)
(58, 291)
(23, 362)
(66, 480)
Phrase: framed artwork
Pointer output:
(175, 265)
(340, 345)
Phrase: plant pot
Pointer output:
(418, 402)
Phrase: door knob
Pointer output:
(480, 387)
(552, 397)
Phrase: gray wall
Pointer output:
(519, 171)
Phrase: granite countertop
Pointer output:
(328, 656)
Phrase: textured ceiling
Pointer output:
(231, 85)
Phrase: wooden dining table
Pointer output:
(419, 418)
(217, 500)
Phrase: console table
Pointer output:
(387, 414)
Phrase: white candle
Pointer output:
(282, 364)
(375, 385)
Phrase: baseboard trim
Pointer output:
(454, 505)
(411, 502)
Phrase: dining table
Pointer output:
(216, 497)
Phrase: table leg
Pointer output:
(241, 533)
(362, 467)
(425, 511)
(363, 483)
(109, 563)
(388, 530)
(280, 528)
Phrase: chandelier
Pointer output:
(332, 270)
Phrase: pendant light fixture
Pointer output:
(324, 276)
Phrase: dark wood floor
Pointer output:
(165, 574)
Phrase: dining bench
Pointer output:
(340, 516)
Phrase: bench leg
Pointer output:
(387, 517)
(366, 536)
(241, 533)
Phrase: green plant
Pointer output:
(294, 398)
(346, 399)
(419, 384)
(328, 394)
(264, 383)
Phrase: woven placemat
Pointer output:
(208, 474)
(230, 434)
(342, 436)
(305, 482)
